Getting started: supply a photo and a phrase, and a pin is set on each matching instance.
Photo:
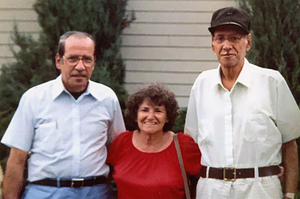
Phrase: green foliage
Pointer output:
(35, 64)
(180, 121)
(276, 41)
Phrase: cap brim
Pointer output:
(212, 28)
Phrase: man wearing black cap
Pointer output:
(244, 119)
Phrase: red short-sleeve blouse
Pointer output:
(151, 175)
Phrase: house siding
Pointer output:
(15, 12)
(169, 42)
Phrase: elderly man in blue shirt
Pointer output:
(64, 126)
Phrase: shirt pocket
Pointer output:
(256, 128)
(46, 137)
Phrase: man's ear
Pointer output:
(58, 61)
(213, 47)
(248, 42)
(212, 44)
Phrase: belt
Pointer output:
(74, 182)
(231, 174)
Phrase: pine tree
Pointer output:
(276, 42)
(35, 64)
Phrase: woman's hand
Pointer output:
(281, 174)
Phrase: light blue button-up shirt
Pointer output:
(65, 137)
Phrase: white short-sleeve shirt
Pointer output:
(65, 137)
(244, 127)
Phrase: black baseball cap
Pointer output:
(230, 16)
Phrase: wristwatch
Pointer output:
(289, 195)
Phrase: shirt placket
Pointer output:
(76, 139)
(228, 130)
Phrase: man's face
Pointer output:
(75, 77)
(230, 45)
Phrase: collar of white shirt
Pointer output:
(244, 77)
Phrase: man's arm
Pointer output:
(290, 163)
(13, 177)
(191, 120)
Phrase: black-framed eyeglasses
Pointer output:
(73, 60)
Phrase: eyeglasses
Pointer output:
(73, 60)
(234, 39)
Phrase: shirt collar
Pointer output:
(93, 90)
(243, 78)
(245, 75)
(59, 88)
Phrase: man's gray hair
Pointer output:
(65, 36)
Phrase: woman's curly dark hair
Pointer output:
(156, 94)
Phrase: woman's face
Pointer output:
(151, 118)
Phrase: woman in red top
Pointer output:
(144, 161)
